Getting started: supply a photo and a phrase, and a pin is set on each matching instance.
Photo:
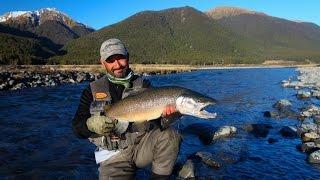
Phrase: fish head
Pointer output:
(193, 104)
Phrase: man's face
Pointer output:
(116, 65)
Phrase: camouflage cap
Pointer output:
(111, 47)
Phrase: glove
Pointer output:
(101, 125)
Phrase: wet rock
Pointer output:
(258, 130)
(11, 82)
(308, 147)
(303, 94)
(3, 86)
(310, 136)
(187, 171)
(315, 93)
(207, 159)
(314, 157)
(284, 110)
(310, 111)
(307, 127)
(293, 84)
(80, 78)
(207, 133)
(224, 131)
(271, 114)
(288, 132)
(72, 81)
(272, 140)
(282, 104)
(316, 119)
(317, 142)
(18, 86)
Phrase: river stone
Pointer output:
(310, 136)
(303, 94)
(224, 131)
(2, 86)
(18, 86)
(271, 114)
(272, 140)
(72, 81)
(311, 110)
(289, 132)
(187, 170)
(292, 84)
(207, 159)
(317, 142)
(316, 119)
(258, 130)
(11, 82)
(308, 147)
(314, 157)
(308, 127)
(316, 93)
(282, 104)
(80, 78)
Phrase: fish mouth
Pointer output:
(205, 114)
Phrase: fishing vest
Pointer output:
(102, 99)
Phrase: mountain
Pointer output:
(187, 36)
(178, 35)
(22, 47)
(47, 22)
(276, 37)
(31, 37)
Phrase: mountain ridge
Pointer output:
(42, 21)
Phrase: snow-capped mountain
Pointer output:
(47, 22)
(40, 16)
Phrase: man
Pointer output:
(122, 146)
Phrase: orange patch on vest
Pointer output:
(100, 95)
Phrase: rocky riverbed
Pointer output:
(26, 79)
(307, 86)
(49, 76)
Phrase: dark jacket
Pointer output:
(83, 113)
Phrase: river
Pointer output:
(37, 139)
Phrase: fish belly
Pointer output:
(141, 116)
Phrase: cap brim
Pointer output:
(106, 55)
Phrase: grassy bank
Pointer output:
(138, 68)
(141, 68)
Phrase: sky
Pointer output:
(100, 13)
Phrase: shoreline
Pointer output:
(28, 76)
(143, 68)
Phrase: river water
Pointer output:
(37, 140)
